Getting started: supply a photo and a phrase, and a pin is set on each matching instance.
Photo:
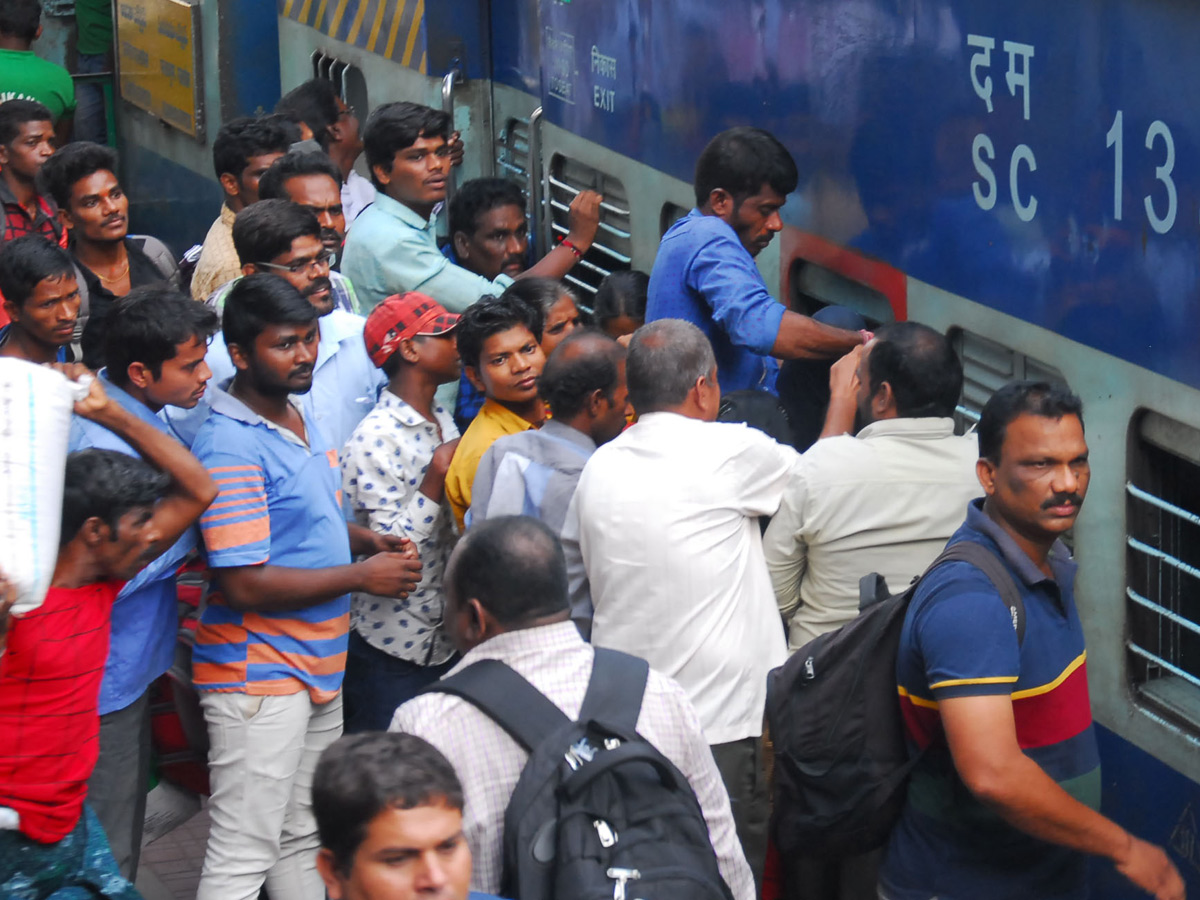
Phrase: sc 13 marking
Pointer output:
(1158, 133)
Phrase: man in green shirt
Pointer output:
(25, 76)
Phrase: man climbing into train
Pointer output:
(1003, 800)
(705, 271)
(393, 248)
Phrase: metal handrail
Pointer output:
(453, 77)
(534, 191)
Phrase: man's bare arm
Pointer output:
(800, 337)
(982, 735)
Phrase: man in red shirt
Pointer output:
(26, 141)
(119, 513)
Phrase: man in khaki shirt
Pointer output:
(883, 500)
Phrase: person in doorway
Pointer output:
(26, 76)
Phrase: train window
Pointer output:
(1163, 567)
(613, 247)
(347, 80)
(812, 287)
(987, 367)
(671, 213)
(512, 152)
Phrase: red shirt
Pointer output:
(49, 720)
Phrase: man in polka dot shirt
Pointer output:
(393, 479)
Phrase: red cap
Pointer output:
(403, 316)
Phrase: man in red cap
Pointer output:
(393, 478)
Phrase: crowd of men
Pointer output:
(396, 458)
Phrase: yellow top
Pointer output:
(493, 421)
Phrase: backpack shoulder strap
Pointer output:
(615, 690)
(991, 566)
(508, 699)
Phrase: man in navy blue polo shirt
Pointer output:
(705, 271)
(1003, 802)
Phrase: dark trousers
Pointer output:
(377, 682)
(841, 878)
(118, 786)
(741, 766)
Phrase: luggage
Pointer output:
(841, 759)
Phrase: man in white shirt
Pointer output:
(665, 520)
(884, 500)
(506, 599)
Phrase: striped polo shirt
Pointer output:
(279, 503)
(959, 641)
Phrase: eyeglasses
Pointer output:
(346, 113)
(299, 267)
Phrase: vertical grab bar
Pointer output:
(537, 204)
(453, 77)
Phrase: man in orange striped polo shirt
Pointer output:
(271, 647)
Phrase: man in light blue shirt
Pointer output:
(392, 248)
(278, 237)
(155, 347)
(705, 273)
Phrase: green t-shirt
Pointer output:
(93, 18)
(26, 76)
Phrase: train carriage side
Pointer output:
(1021, 176)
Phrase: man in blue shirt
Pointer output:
(41, 297)
(392, 248)
(705, 271)
(389, 810)
(155, 344)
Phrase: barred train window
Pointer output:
(1163, 567)
(987, 367)
(612, 248)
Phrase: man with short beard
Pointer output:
(311, 180)
(82, 179)
(278, 237)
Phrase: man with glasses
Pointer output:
(278, 237)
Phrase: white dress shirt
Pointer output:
(555, 660)
(667, 523)
(884, 501)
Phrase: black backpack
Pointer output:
(841, 760)
(598, 812)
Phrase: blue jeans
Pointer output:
(377, 682)
(90, 121)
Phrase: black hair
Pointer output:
(481, 195)
(741, 160)
(621, 293)
(28, 260)
(514, 566)
(1018, 398)
(569, 378)
(492, 315)
(258, 300)
(315, 104)
(361, 775)
(244, 137)
(148, 324)
(294, 164)
(666, 358)
(106, 484)
(920, 365)
(542, 293)
(266, 229)
(394, 126)
(71, 163)
(20, 18)
(15, 113)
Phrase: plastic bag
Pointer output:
(35, 422)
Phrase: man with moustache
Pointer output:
(310, 179)
(282, 239)
(271, 647)
(156, 342)
(1003, 801)
(705, 273)
(41, 300)
(26, 142)
(82, 179)
(489, 231)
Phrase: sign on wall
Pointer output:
(159, 62)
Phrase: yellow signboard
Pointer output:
(158, 60)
